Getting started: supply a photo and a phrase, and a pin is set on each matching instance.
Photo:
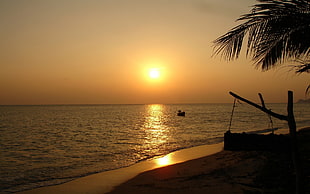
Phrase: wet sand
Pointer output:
(226, 172)
(214, 171)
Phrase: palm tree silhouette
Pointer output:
(277, 30)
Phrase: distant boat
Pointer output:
(181, 113)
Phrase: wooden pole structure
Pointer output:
(264, 109)
(295, 153)
(292, 130)
(232, 114)
(264, 106)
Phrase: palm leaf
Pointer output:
(276, 29)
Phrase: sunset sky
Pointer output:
(102, 51)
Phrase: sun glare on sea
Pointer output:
(154, 73)
(163, 161)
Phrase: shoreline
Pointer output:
(223, 172)
(104, 182)
(108, 181)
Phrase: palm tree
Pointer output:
(277, 30)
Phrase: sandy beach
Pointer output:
(218, 172)
(226, 172)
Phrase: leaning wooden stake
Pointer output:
(264, 106)
(292, 128)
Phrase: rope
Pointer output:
(271, 123)
(232, 113)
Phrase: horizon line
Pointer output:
(101, 104)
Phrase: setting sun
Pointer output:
(154, 73)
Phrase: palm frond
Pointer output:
(276, 29)
(308, 90)
(303, 69)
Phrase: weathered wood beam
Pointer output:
(264, 109)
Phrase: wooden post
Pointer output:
(290, 115)
(232, 114)
(295, 153)
(264, 106)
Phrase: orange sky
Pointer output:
(100, 51)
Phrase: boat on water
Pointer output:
(181, 113)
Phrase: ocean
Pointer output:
(52, 144)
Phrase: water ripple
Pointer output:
(45, 145)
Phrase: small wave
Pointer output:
(263, 130)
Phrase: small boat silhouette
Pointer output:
(181, 113)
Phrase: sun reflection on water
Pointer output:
(163, 161)
(154, 126)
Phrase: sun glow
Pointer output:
(154, 73)
(164, 161)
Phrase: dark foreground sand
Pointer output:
(226, 172)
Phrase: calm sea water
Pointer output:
(46, 145)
